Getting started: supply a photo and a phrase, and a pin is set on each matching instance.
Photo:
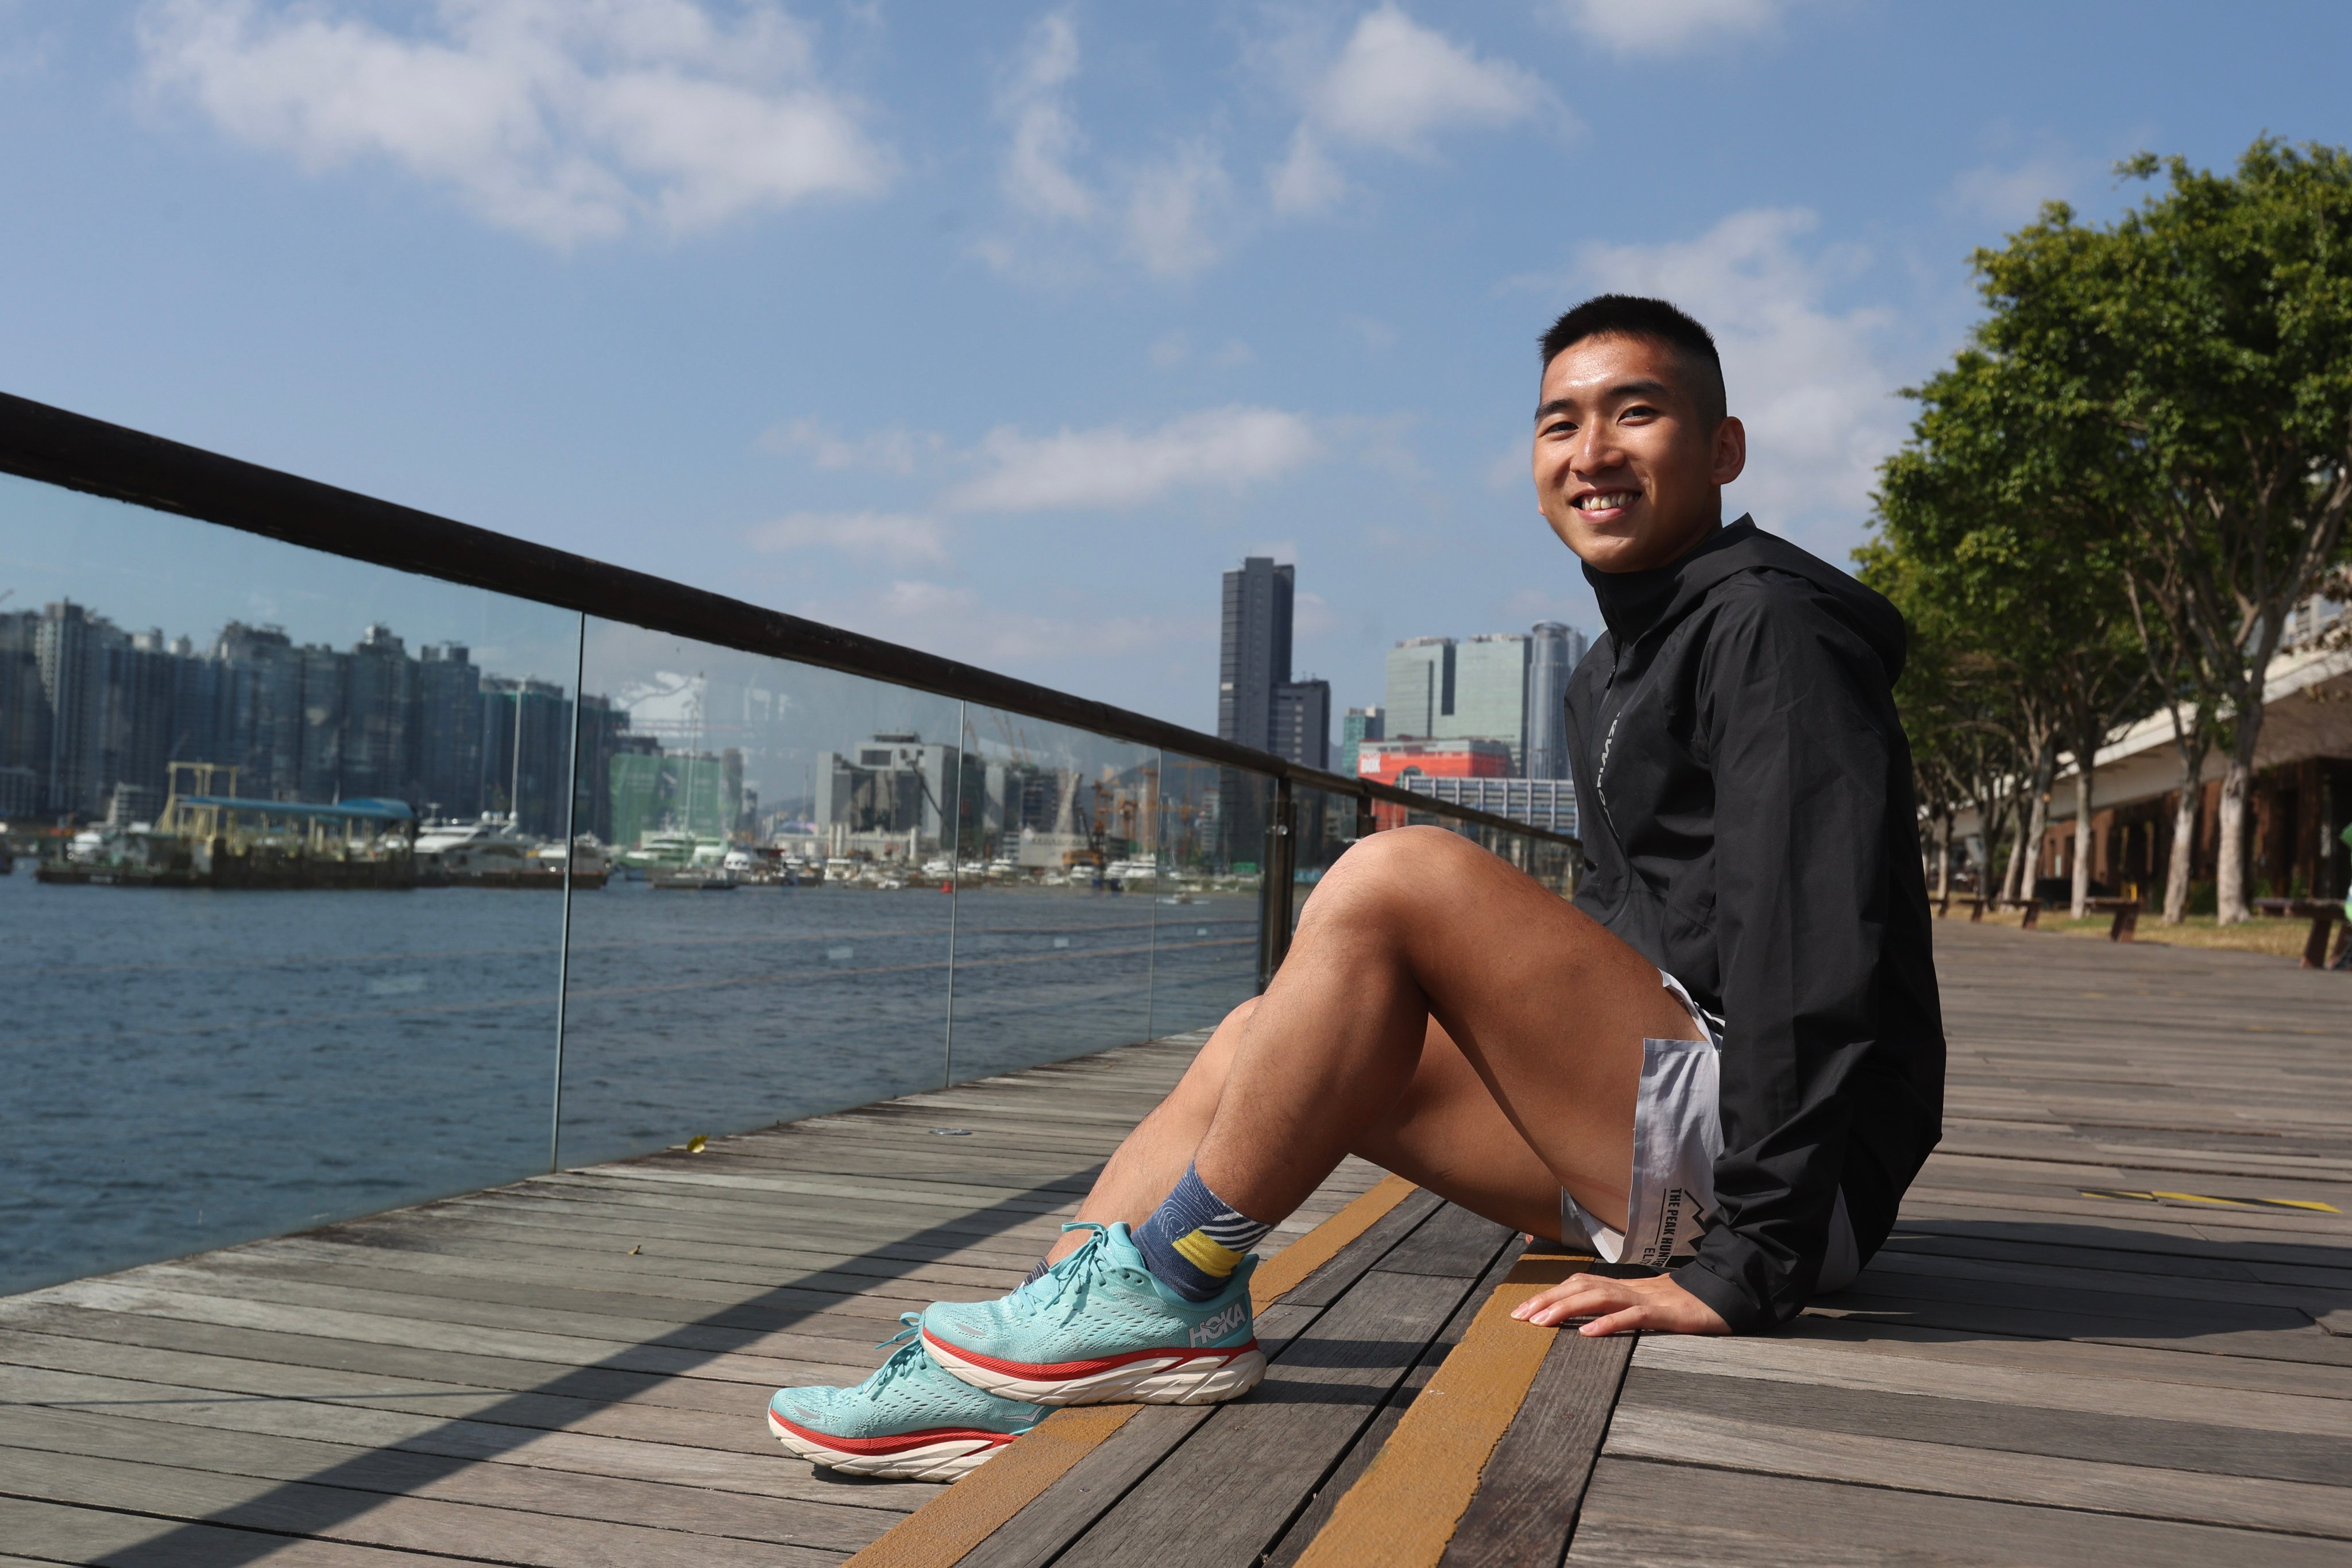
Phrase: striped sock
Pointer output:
(1194, 1239)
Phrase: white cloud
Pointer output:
(1161, 210)
(1666, 27)
(564, 120)
(1114, 469)
(1393, 85)
(1168, 209)
(1037, 176)
(2011, 196)
(1175, 349)
(897, 450)
(900, 538)
(1808, 379)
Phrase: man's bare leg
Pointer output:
(1441, 1013)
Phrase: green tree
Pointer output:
(2019, 560)
(2195, 358)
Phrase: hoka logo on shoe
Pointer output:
(1208, 1330)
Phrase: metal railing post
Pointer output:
(1273, 905)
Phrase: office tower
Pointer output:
(1490, 693)
(1301, 723)
(1557, 650)
(261, 706)
(1258, 702)
(1361, 724)
(1420, 695)
(1255, 655)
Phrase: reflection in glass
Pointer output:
(774, 940)
(245, 993)
(1212, 824)
(1056, 878)
(1324, 823)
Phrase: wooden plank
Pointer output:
(1368, 1447)
(1882, 1367)
(1262, 1456)
(730, 1455)
(1636, 1511)
(2177, 1441)
(368, 1518)
(1454, 1244)
(1405, 1505)
(662, 1505)
(1329, 1280)
(62, 1533)
(1524, 1513)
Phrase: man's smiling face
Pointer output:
(1629, 466)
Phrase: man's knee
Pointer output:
(1392, 874)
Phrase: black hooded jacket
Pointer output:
(1749, 827)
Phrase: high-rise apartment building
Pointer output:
(1258, 702)
(1420, 694)
(1555, 653)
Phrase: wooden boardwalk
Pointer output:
(570, 1371)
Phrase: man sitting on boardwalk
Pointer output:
(1723, 1061)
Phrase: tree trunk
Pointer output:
(2184, 849)
(2082, 832)
(2230, 876)
(2037, 815)
(1944, 855)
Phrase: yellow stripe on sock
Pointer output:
(1207, 1253)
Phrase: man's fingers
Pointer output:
(1623, 1321)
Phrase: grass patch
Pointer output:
(2282, 939)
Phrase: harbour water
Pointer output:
(186, 1067)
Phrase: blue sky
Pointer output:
(1001, 330)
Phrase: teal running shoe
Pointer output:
(909, 1422)
(1098, 1329)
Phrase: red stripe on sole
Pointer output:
(897, 1443)
(1072, 1369)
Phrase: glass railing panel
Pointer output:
(1212, 851)
(1056, 878)
(246, 994)
(1324, 823)
(771, 938)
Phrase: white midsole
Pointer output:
(941, 1461)
(1177, 1378)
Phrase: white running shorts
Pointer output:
(1677, 1134)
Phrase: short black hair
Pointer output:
(1634, 316)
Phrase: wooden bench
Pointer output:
(1976, 906)
(2323, 914)
(2032, 908)
(2127, 913)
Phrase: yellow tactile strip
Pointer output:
(938, 1534)
(1403, 1509)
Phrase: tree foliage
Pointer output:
(2117, 492)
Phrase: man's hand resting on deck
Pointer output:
(1658, 1305)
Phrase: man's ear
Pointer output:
(1731, 451)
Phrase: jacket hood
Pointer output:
(1635, 603)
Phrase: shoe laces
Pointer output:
(1076, 1271)
(905, 1350)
